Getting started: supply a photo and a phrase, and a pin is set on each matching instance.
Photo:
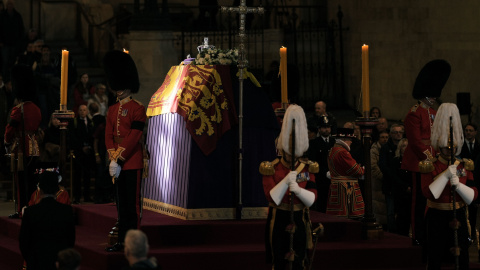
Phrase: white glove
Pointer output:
(306, 196)
(454, 181)
(328, 175)
(291, 177)
(278, 191)
(467, 193)
(114, 169)
(451, 171)
(294, 187)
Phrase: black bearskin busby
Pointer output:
(121, 71)
(431, 79)
(23, 83)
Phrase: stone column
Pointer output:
(154, 54)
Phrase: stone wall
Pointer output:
(403, 36)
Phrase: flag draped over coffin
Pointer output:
(202, 95)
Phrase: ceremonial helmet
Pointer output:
(431, 79)
(23, 83)
(441, 128)
(121, 71)
(301, 132)
(324, 121)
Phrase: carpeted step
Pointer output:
(10, 256)
(10, 227)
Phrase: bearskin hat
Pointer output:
(23, 83)
(441, 127)
(121, 71)
(301, 132)
(431, 79)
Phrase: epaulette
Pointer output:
(468, 164)
(426, 166)
(313, 166)
(138, 102)
(267, 167)
(414, 108)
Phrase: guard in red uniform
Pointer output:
(123, 132)
(438, 179)
(418, 122)
(344, 198)
(278, 177)
(21, 135)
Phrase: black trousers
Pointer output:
(440, 238)
(26, 182)
(128, 185)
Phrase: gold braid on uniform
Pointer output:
(468, 164)
(267, 167)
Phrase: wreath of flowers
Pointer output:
(214, 56)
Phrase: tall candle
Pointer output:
(283, 74)
(365, 80)
(64, 78)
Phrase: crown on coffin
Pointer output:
(209, 55)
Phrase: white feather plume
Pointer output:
(441, 127)
(301, 133)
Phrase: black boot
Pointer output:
(115, 248)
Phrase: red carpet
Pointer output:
(227, 244)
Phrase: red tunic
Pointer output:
(32, 119)
(123, 132)
(446, 195)
(61, 197)
(270, 181)
(345, 198)
(418, 124)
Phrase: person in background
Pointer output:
(68, 259)
(402, 190)
(345, 197)
(382, 126)
(375, 112)
(318, 151)
(101, 98)
(385, 161)
(82, 91)
(378, 198)
(81, 135)
(47, 227)
(136, 251)
(21, 135)
(471, 150)
(321, 110)
(102, 183)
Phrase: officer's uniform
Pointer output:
(123, 132)
(277, 240)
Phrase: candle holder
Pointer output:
(64, 115)
(370, 229)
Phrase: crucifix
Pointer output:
(242, 63)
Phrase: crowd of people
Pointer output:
(412, 174)
(417, 166)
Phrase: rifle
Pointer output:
(291, 227)
(455, 224)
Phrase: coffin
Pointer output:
(193, 141)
